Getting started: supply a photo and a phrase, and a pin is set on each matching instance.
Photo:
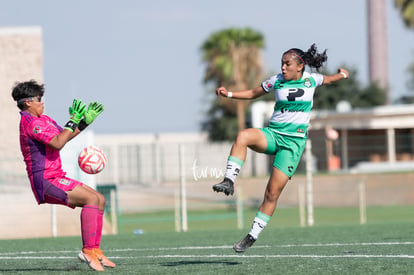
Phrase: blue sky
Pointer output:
(142, 59)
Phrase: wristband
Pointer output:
(344, 74)
(71, 126)
(229, 94)
(82, 125)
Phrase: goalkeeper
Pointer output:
(41, 140)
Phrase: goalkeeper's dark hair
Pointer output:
(27, 89)
(311, 57)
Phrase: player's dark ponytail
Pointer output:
(311, 57)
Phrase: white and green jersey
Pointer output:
(294, 101)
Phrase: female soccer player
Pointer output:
(41, 139)
(285, 137)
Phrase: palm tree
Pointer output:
(233, 60)
(406, 8)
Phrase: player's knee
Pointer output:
(272, 195)
(101, 200)
(270, 198)
(93, 200)
(96, 199)
(242, 138)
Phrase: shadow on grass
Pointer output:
(179, 263)
(42, 269)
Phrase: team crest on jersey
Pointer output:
(268, 84)
(307, 83)
(37, 129)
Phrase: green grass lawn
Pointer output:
(284, 217)
(335, 245)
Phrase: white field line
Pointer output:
(214, 256)
(35, 254)
(212, 247)
(279, 256)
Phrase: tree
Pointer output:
(409, 98)
(410, 82)
(406, 8)
(233, 60)
(328, 96)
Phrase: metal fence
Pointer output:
(157, 162)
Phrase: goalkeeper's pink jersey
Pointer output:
(42, 161)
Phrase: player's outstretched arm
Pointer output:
(245, 94)
(342, 74)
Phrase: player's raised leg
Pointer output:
(252, 138)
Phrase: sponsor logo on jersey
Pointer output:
(37, 130)
(283, 110)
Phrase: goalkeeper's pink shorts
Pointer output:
(55, 190)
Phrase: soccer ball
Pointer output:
(92, 160)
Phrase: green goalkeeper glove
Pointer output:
(94, 110)
(76, 112)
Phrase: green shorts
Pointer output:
(286, 149)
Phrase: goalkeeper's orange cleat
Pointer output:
(104, 260)
(89, 256)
